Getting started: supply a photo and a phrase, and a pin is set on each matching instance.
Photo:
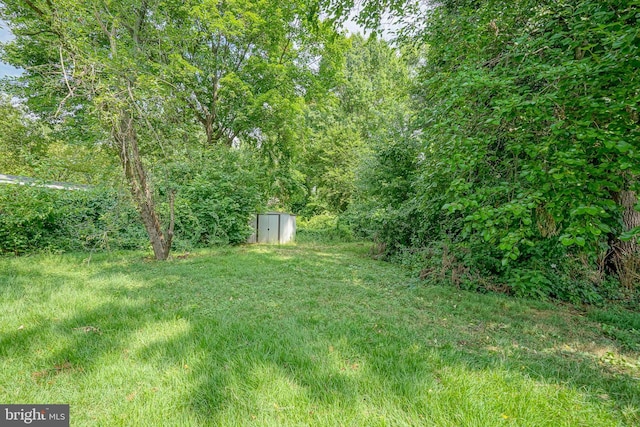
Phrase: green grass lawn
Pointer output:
(301, 335)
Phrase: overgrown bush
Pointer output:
(525, 140)
(323, 228)
(215, 197)
(214, 200)
(37, 218)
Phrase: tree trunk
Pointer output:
(626, 254)
(125, 137)
(630, 217)
(208, 129)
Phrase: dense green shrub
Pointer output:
(37, 218)
(215, 197)
(527, 130)
(323, 228)
(214, 200)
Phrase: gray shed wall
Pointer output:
(273, 228)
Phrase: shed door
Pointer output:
(268, 229)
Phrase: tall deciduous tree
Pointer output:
(239, 64)
(137, 66)
(368, 101)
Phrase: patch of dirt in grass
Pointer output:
(65, 367)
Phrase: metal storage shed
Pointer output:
(273, 227)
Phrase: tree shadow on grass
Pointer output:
(332, 354)
(17, 280)
(253, 333)
(75, 343)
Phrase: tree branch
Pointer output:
(66, 81)
(35, 8)
(109, 33)
(286, 47)
(146, 120)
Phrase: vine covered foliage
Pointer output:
(525, 155)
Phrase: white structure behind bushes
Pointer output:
(273, 227)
